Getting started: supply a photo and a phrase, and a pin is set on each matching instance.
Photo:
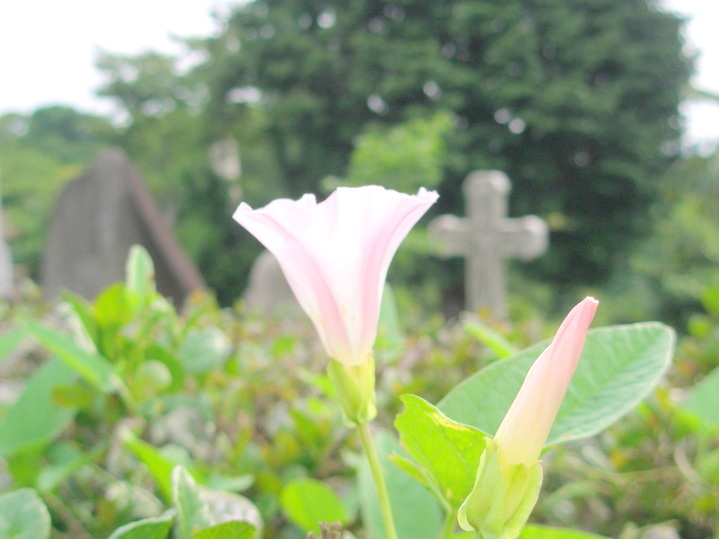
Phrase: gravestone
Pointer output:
(96, 220)
(486, 237)
(268, 292)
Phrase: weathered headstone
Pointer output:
(97, 218)
(268, 292)
(486, 237)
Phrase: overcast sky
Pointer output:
(48, 47)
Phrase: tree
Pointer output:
(575, 100)
(39, 154)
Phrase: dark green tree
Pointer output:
(575, 100)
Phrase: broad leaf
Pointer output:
(618, 368)
(416, 513)
(193, 513)
(147, 528)
(447, 452)
(35, 419)
(23, 515)
(93, 368)
(307, 502)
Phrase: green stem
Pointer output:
(449, 523)
(371, 452)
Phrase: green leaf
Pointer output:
(50, 476)
(140, 272)
(35, 420)
(493, 340)
(228, 530)
(93, 368)
(447, 452)
(23, 515)
(416, 513)
(619, 366)
(83, 312)
(703, 401)
(534, 531)
(307, 502)
(159, 466)
(9, 341)
(203, 350)
(116, 306)
(193, 513)
(147, 528)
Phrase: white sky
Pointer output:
(48, 48)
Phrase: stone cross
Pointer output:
(96, 220)
(486, 237)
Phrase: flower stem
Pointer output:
(450, 520)
(371, 452)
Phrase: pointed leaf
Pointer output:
(140, 272)
(447, 452)
(93, 368)
(619, 366)
(159, 466)
(193, 513)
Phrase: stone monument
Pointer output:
(268, 292)
(486, 237)
(96, 220)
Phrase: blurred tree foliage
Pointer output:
(680, 260)
(39, 153)
(575, 100)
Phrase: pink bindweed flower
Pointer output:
(509, 475)
(335, 256)
(525, 428)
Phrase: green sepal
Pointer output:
(355, 390)
(502, 498)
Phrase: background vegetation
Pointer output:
(575, 100)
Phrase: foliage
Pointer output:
(576, 101)
(678, 262)
(39, 153)
(154, 409)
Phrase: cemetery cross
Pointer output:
(486, 237)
